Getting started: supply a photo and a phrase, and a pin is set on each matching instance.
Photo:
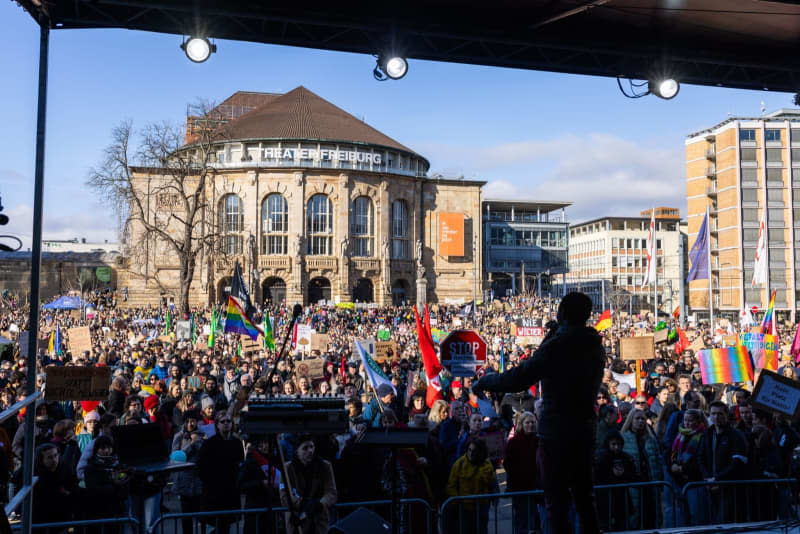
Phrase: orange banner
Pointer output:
(451, 234)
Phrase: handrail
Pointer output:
(757, 481)
(88, 522)
(17, 406)
(17, 499)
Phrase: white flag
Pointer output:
(652, 253)
(761, 266)
(366, 349)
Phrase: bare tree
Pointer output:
(160, 191)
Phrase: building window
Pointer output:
(774, 177)
(750, 175)
(776, 237)
(362, 226)
(274, 225)
(747, 135)
(750, 215)
(776, 217)
(231, 224)
(750, 195)
(748, 154)
(772, 134)
(750, 253)
(775, 197)
(774, 154)
(400, 236)
(319, 225)
(750, 235)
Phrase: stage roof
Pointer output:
(749, 44)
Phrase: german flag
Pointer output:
(604, 323)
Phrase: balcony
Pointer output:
(366, 264)
(273, 262)
(402, 266)
(711, 153)
(711, 191)
(322, 262)
(711, 172)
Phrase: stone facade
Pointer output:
(154, 276)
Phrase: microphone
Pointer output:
(297, 311)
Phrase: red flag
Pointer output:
(429, 360)
(342, 369)
(683, 342)
(677, 313)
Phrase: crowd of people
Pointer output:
(674, 430)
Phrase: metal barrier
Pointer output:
(739, 501)
(415, 515)
(633, 506)
(416, 518)
(244, 521)
(89, 526)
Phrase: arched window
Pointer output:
(231, 224)
(400, 239)
(362, 226)
(319, 225)
(274, 225)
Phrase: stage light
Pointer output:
(198, 49)
(666, 88)
(390, 67)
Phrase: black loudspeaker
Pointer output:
(362, 521)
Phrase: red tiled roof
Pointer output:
(301, 114)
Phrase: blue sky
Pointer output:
(529, 134)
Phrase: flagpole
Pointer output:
(655, 269)
(710, 275)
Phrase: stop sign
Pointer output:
(463, 351)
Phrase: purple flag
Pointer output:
(795, 351)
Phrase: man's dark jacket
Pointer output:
(730, 449)
(570, 366)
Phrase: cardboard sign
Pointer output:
(764, 349)
(80, 339)
(313, 368)
(77, 383)
(698, 344)
(637, 348)
(251, 345)
(194, 382)
(730, 340)
(183, 329)
(777, 393)
(528, 328)
(75, 314)
(382, 349)
(495, 442)
(319, 342)
(661, 336)
(165, 339)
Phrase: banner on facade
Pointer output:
(451, 234)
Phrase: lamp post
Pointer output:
(474, 274)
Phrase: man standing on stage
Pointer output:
(569, 364)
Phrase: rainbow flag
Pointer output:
(236, 320)
(768, 324)
(725, 366)
(604, 322)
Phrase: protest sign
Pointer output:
(661, 336)
(251, 345)
(304, 337)
(637, 348)
(23, 340)
(495, 442)
(385, 349)
(165, 339)
(629, 379)
(77, 383)
(697, 344)
(183, 329)
(529, 340)
(730, 340)
(80, 339)
(763, 348)
(527, 327)
(312, 368)
(319, 342)
(777, 393)
(195, 382)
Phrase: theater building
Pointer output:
(317, 205)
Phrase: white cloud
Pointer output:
(600, 174)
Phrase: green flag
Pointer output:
(384, 334)
(661, 326)
(192, 329)
(213, 327)
(168, 325)
(269, 339)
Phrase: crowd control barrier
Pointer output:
(739, 501)
(115, 525)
